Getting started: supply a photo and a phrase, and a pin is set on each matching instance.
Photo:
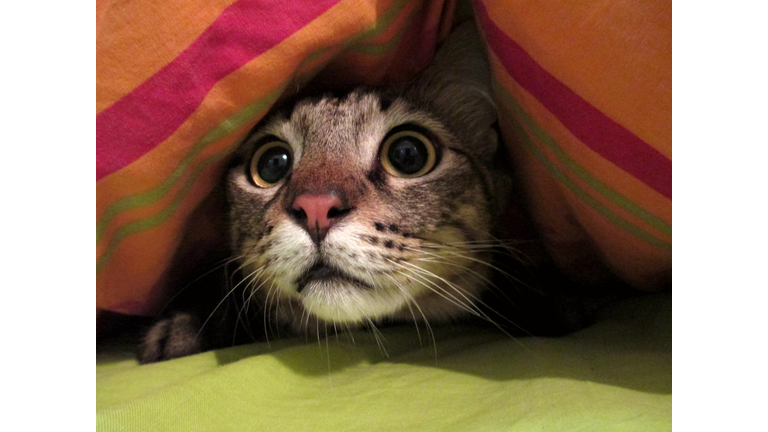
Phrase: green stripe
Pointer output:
(376, 29)
(580, 172)
(381, 49)
(583, 195)
(227, 126)
(155, 220)
(382, 24)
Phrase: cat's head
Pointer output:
(376, 204)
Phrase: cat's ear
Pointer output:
(457, 86)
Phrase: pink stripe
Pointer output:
(149, 114)
(601, 134)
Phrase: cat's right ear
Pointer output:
(457, 87)
(462, 59)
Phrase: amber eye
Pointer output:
(271, 163)
(408, 154)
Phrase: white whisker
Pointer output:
(412, 301)
(470, 306)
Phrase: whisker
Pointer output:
(492, 245)
(515, 282)
(470, 306)
(226, 296)
(327, 355)
(378, 336)
(442, 292)
(412, 301)
(218, 265)
(244, 309)
(485, 263)
(273, 295)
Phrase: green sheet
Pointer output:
(615, 375)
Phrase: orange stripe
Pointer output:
(356, 68)
(401, 64)
(144, 212)
(603, 170)
(360, 68)
(393, 28)
(587, 188)
(615, 55)
(576, 233)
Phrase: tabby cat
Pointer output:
(375, 206)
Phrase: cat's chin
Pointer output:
(343, 301)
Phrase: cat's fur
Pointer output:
(397, 249)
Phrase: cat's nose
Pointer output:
(318, 213)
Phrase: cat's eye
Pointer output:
(271, 163)
(408, 154)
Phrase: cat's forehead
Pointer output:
(327, 124)
(353, 122)
(355, 105)
(337, 123)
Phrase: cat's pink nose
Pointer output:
(318, 212)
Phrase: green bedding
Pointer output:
(615, 375)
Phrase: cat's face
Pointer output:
(366, 207)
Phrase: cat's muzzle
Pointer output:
(322, 272)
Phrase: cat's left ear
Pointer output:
(457, 87)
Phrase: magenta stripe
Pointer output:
(601, 134)
(149, 114)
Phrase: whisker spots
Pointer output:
(391, 228)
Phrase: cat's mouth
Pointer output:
(322, 272)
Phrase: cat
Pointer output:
(375, 206)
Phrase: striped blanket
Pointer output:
(583, 90)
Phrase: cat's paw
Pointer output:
(170, 338)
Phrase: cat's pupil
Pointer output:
(274, 164)
(408, 155)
